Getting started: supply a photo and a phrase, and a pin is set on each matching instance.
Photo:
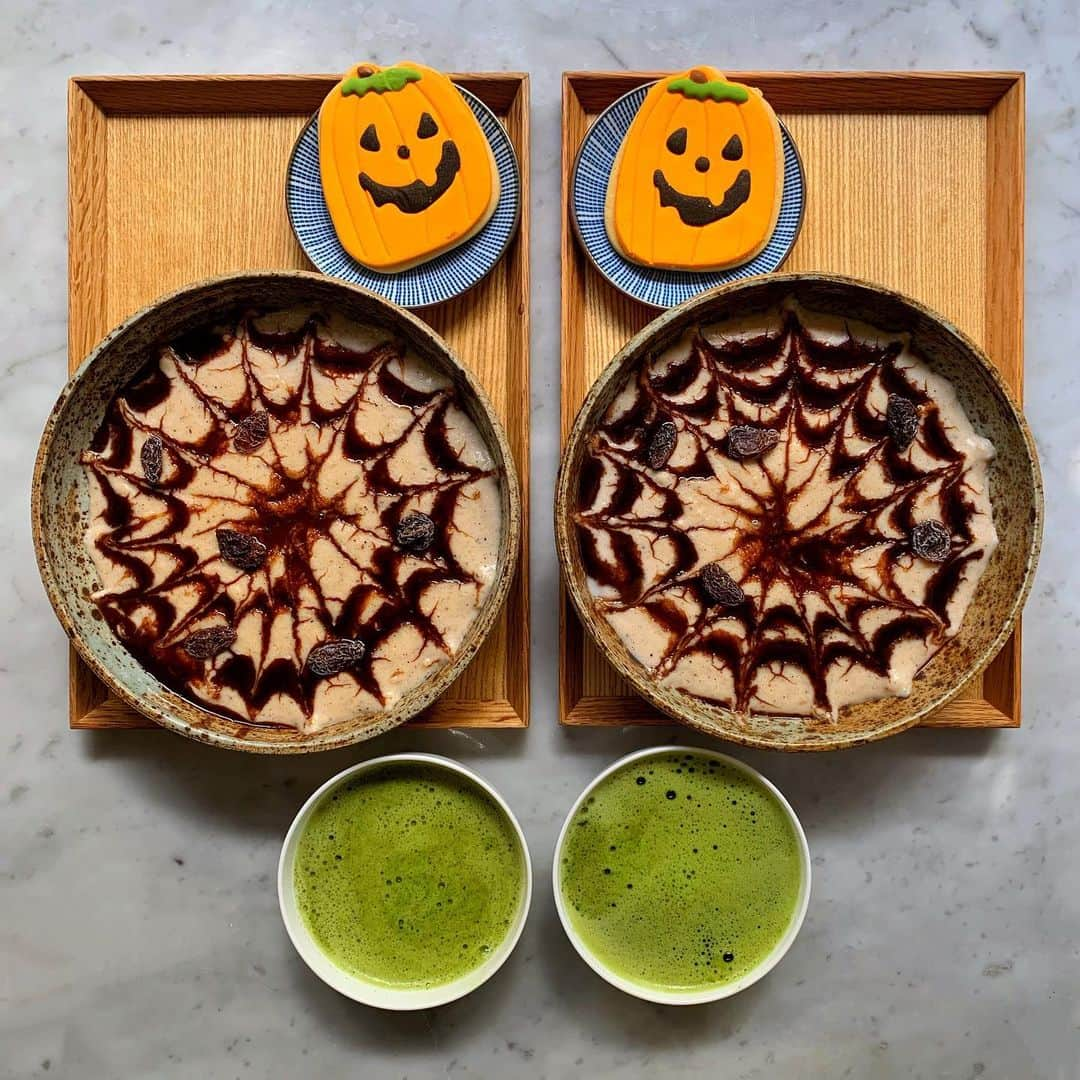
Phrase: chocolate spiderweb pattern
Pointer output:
(285, 453)
(767, 563)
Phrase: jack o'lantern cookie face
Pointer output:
(406, 169)
(699, 177)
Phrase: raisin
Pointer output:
(150, 456)
(334, 657)
(251, 432)
(902, 419)
(415, 533)
(242, 550)
(747, 441)
(930, 540)
(661, 445)
(720, 587)
(204, 644)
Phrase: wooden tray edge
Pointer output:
(624, 711)
(831, 91)
(114, 715)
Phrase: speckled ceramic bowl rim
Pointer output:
(352, 986)
(639, 344)
(711, 993)
(339, 735)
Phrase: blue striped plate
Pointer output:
(432, 282)
(664, 288)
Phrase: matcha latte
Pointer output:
(681, 875)
(408, 877)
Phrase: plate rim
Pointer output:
(575, 224)
(474, 101)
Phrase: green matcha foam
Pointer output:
(680, 872)
(408, 875)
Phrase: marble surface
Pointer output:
(139, 934)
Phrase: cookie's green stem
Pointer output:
(715, 90)
(393, 78)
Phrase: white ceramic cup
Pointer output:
(711, 993)
(352, 986)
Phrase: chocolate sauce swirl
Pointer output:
(773, 558)
(248, 491)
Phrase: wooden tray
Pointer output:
(914, 180)
(176, 178)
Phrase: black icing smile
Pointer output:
(697, 210)
(417, 196)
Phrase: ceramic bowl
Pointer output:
(707, 994)
(1015, 491)
(60, 498)
(352, 986)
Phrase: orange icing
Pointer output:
(693, 140)
(406, 169)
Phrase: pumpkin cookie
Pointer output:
(406, 169)
(699, 177)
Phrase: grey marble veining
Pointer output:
(139, 935)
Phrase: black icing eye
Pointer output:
(370, 139)
(732, 149)
(676, 141)
(427, 127)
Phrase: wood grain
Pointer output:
(844, 92)
(177, 178)
(270, 95)
(87, 231)
(596, 711)
(1004, 319)
(914, 180)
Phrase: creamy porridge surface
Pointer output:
(293, 519)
